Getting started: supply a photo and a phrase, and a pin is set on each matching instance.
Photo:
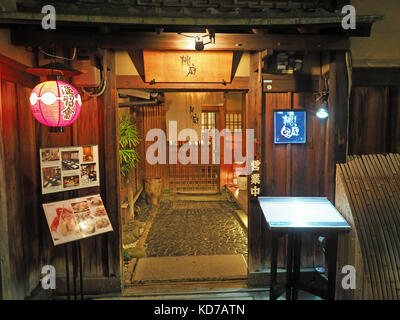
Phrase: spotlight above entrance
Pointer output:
(198, 39)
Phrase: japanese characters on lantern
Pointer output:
(55, 103)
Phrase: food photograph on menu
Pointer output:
(76, 219)
(70, 160)
(49, 155)
(87, 154)
(88, 173)
(69, 168)
(70, 182)
(51, 177)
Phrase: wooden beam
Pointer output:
(137, 59)
(376, 77)
(135, 82)
(225, 20)
(256, 226)
(266, 53)
(16, 72)
(111, 165)
(290, 83)
(237, 56)
(175, 41)
(341, 109)
(337, 123)
(138, 93)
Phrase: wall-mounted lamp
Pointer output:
(323, 97)
(198, 39)
(322, 113)
(199, 44)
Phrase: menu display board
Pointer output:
(69, 168)
(76, 219)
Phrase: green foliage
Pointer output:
(128, 140)
(126, 255)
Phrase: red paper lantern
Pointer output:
(55, 103)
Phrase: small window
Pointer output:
(233, 121)
(208, 120)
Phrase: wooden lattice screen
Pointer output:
(233, 121)
(194, 178)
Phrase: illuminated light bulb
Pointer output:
(322, 113)
(199, 44)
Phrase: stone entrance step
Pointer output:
(190, 268)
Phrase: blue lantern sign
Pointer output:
(290, 126)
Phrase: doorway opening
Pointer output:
(182, 221)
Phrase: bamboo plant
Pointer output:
(128, 140)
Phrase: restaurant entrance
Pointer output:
(196, 231)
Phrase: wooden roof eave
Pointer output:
(27, 17)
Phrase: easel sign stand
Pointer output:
(76, 260)
(70, 221)
(294, 216)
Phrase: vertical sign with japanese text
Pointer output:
(255, 178)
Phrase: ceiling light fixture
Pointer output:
(198, 39)
(199, 44)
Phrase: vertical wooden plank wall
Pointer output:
(18, 177)
(26, 244)
(374, 120)
(13, 271)
(295, 170)
(394, 118)
(97, 124)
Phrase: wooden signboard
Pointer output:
(187, 66)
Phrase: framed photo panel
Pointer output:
(76, 219)
(69, 168)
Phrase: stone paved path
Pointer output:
(196, 228)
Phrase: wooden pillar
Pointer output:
(257, 275)
(337, 129)
(111, 166)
